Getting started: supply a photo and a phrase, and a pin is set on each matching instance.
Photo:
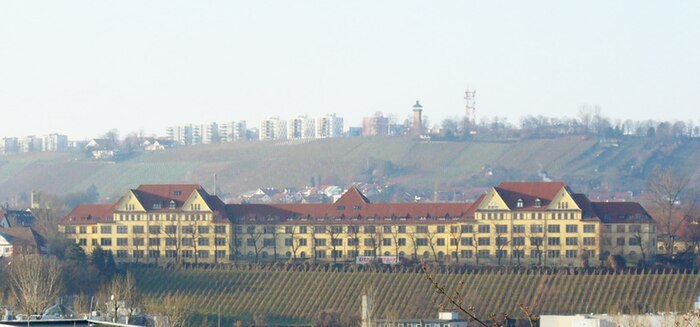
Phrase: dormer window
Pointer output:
(157, 206)
(341, 207)
(177, 193)
(538, 203)
(357, 207)
(172, 204)
(520, 203)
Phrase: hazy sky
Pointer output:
(84, 67)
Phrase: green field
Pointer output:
(584, 163)
(298, 296)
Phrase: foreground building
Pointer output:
(542, 223)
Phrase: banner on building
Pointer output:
(387, 260)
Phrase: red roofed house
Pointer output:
(20, 240)
(512, 223)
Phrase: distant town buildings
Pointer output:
(329, 125)
(33, 143)
(273, 128)
(375, 125)
(301, 127)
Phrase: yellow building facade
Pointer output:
(513, 223)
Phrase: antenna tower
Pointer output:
(470, 106)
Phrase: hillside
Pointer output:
(400, 161)
(298, 296)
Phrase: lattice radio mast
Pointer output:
(470, 106)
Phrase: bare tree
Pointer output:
(36, 282)
(258, 241)
(173, 239)
(334, 232)
(431, 242)
(292, 241)
(502, 243)
(173, 309)
(353, 233)
(456, 233)
(667, 189)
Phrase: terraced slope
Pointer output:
(296, 296)
(400, 161)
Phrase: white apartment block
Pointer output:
(301, 127)
(329, 125)
(273, 128)
(232, 131)
(55, 142)
(180, 134)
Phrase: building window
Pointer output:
(520, 203)
(188, 229)
(571, 241)
(620, 241)
(518, 241)
(589, 228)
(441, 229)
(337, 254)
(137, 229)
(153, 229)
(336, 229)
(386, 242)
(484, 253)
(402, 229)
(203, 254)
(82, 242)
(536, 241)
(203, 229)
(319, 242)
(170, 253)
(402, 242)
(466, 228)
(501, 241)
(589, 241)
(170, 230)
(553, 228)
(484, 228)
(501, 253)
(320, 229)
(220, 241)
(422, 229)
(571, 253)
(466, 241)
(139, 241)
(105, 241)
(553, 253)
(620, 228)
(572, 228)
(466, 253)
(337, 242)
(303, 229)
(370, 229)
(501, 229)
(170, 241)
(421, 241)
(635, 228)
(518, 229)
(187, 253)
(634, 241)
(153, 254)
(369, 253)
(538, 203)
(220, 254)
(553, 241)
(484, 241)
(106, 229)
(138, 253)
(440, 241)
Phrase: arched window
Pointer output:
(538, 203)
(520, 203)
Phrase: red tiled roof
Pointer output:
(86, 214)
(621, 212)
(178, 192)
(510, 192)
(362, 210)
(542, 190)
(353, 196)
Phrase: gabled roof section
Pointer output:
(23, 236)
(529, 193)
(542, 190)
(621, 212)
(87, 214)
(352, 197)
(177, 192)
